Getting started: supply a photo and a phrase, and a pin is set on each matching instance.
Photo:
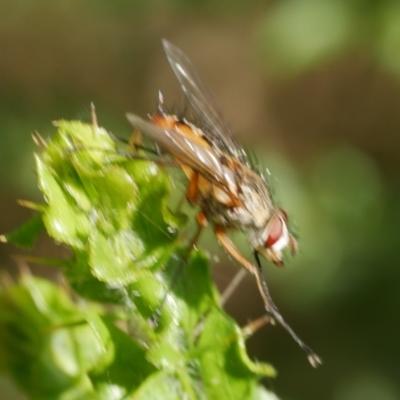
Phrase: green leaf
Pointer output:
(80, 276)
(188, 301)
(99, 200)
(63, 220)
(128, 369)
(126, 255)
(201, 343)
(26, 235)
(161, 385)
(153, 221)
(226, 370)
(45, 342)
(112, 192)
(112, 258)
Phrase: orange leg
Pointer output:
(191, 192)
(193, 188)
(230, 248)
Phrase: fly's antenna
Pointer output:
(272, 310)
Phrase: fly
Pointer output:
(230, 193)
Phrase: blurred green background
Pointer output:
(313, 87)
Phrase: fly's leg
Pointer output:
(273, 310)
(191, 193)
(234, 283)
(270, 306)
(193, 189)
(252, 327)
(230, 248)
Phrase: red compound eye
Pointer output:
(276, 231)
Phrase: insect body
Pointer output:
(230, 193)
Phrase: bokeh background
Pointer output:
(311, 86)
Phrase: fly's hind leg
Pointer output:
(270, 306)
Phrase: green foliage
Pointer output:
(299, 35)
(111, 210)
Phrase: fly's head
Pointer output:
(275, 238)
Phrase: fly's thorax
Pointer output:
(182, 126)
(255, 197)
(245, 205)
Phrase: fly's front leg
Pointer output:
(270, 306)
(231, 249)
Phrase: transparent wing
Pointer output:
(190, 153)
(201, 100)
